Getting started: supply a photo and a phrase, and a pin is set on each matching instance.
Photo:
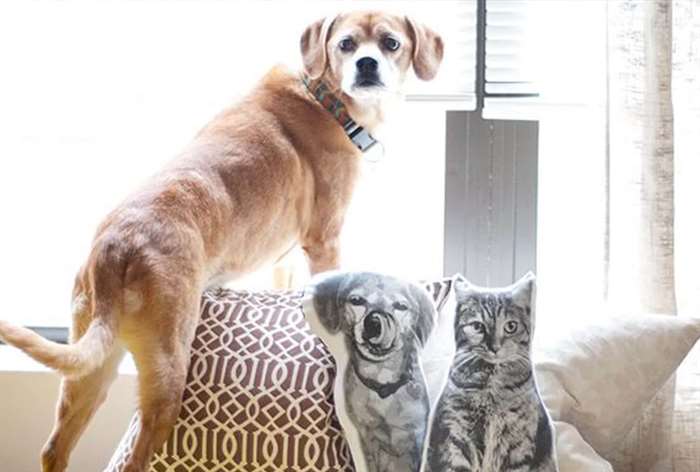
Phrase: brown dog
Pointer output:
(275, 170)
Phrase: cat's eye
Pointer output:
(510, 327)
(400, 306)
(391, 44)
(346, 44)
(356, 300)
(477, 326)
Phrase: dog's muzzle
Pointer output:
(379, 331)
(367, 74)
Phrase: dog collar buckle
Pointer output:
(359, 136)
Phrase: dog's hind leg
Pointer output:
(79, 400)
(162, 365)
(79, 397)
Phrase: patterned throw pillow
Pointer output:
(376, 327)
(259, 392)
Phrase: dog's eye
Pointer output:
(400, 306)
(355, 300)
(510, 327)
(346, 44)
(391, 44)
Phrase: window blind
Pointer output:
(541, 55)
(456, 23)
(510, 61)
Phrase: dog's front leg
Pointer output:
(322, 254)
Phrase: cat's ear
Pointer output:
(524, 290)
(325, 289)
(462, 286)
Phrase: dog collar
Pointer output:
(383, 389)
(357, 134)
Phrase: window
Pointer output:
(544, 61)
(97, 96)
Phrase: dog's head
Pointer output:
(367, 54)
(379, 315)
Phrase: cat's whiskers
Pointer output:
(523, 361)
(466, 359)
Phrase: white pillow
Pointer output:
(574, 454)
(599, 377)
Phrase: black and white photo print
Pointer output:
(375, 327)
(490, 417)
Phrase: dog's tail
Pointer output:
(71, 360)
(97, 297)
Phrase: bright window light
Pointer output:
(97, 96)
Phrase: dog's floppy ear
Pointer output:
(425, 318)
(326, 299)
(428, 49)
(313, 46)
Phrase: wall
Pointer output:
(27, 403)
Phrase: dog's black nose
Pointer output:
(367, 64)
(372, 326)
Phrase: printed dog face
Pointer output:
(380, 321)
(378, 315)
(367, 54)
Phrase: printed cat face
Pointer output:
(493, 330)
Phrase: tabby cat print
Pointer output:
(490, 417)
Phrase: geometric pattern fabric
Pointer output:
(259, 394)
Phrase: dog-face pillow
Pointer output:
(375, 327)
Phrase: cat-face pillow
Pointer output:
(490, 417)
(375, 327)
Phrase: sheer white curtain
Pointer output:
(640, 253)
(686, 102)
(627, 212)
